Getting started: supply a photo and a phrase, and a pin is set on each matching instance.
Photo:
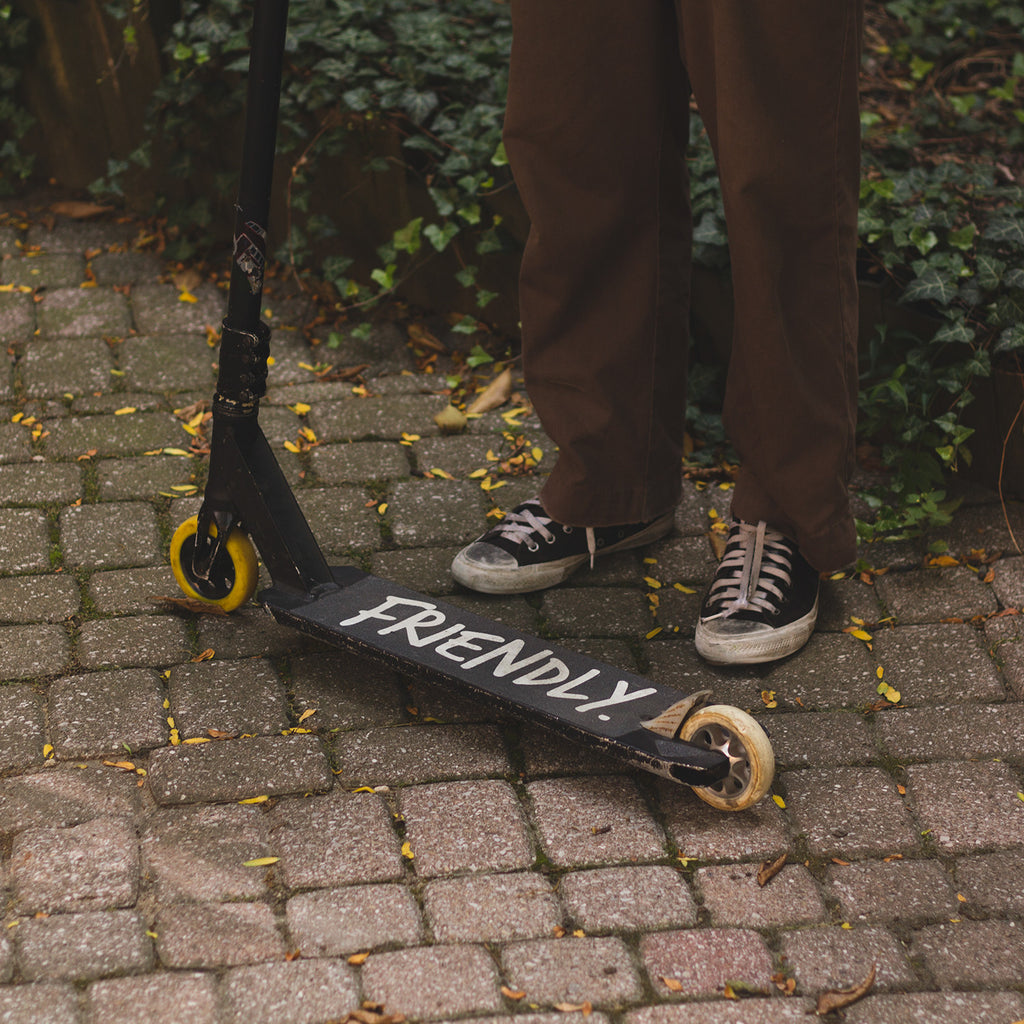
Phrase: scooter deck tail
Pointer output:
(581, 698)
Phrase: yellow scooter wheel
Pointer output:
(234, 573)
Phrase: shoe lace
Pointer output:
(524, 524)
(756, 566)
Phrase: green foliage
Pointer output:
(15, 121)
(357, 73)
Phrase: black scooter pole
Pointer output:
(246, 486)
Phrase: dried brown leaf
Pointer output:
(189, 604)
(187, 279)
(509, 993)
(672, 984)
(837, 999)
(78, 210)
(769, 869)
(496, 394)
(451, 420)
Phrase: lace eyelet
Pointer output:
(532, 547)
(550, 540)
(568, 529)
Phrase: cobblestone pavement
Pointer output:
(427, 853)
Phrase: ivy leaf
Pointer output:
(932, 285)
(1011, 339)
(1006, 229)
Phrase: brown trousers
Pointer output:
(596, 132)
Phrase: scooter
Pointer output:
(720, 751)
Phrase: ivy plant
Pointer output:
(15, 120)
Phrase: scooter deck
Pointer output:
(586, 700)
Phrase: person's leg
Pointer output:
(777, 86)
(595, 132)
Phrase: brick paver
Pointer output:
(277, 831)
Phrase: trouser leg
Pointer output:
(776, 83)
(595, 132)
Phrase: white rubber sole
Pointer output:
(755, 648)
(489, 579)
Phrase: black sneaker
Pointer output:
(528, 550)
(762, 603)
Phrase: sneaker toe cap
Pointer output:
(486, 556)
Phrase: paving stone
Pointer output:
(906, 891)
(24, 541)
(6, 960)
(357, 419)
(239, 769)
(338, 922)
(1006, 641)
(677, 612)
(111, 535)
(732, 896)
(230, 696)
(760, 832)
(704, 960)
(22, 724)
(982, 525)
(937, 1008)
(144, 477)
(96, 715)
(834, 958)
(340, 519)
(31, 1004)
(594, 821)
(249, 633)
(459, 455)
(302, 992)
(967, 807)
(820, 739)
(491, 908)
(629, 899)
(545, 752)
(92, 866)
(45, 270)
(749, 1011)
(961, 732)
(608, 611)
(930, 595)
(972, 953)
(842, 601)
(422, 513)
(199, 853)
(76, 947)
(368, 460)
(155, 998)
(68, 796)
(686, 560)
(573, 970)
(833, 671)
(137, 640)
(991, 881)
(125, 267)
(426, 570)
(109, 436)
(110, 402)
(15, 439)
(210, 935)
(849, 812)
(167, 363)
(157, 309)
(339, 839)
(1008, 583)
(26, 599)
(347, 691)
(418, 982)
(65, 366)
(83, 313)
(130, 591)
(76, 236)
(420, 753)
(29, 651)
(938, 664)
(465, 826)
(17, 316)
(40, 484)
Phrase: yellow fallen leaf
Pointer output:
(672, 984)
(768, 699)
(255, 799)
(779, 801)
(174, 451)
(260, 862)
(490, 484)
(47, 749)
(187, 297)
(942, 561)
(507, 992)
(652, 583)
(682, 589)
(653, 633)
(193, 740)
(407, 850)
(879, 672)
(358, 958)
(382, 508)
(307, 714)
(175, 738)
(128, 766)
(860, 634)
(125, 411)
